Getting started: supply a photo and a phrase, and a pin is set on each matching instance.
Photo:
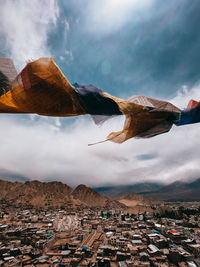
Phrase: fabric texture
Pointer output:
(95, 103)
(41, 88)
(189, 116)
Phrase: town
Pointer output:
(169, 235)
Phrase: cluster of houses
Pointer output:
(98, 237)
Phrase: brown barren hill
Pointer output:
(51, 195)
(35, 193)
(132, 200)
(91, 198)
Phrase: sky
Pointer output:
(128, 47)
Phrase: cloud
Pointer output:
(105, 17)
(25, 26)
(40, 149)
(184, 95)
(12, 176)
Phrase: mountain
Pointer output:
(117, 191)
(195, 184)
(135, 201)
(184, 191)
(90, 197)
(51, 195)
(35, 193)
(136, 197)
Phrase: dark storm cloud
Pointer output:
(12, 176)
(154, 54)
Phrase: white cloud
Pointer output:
(106, 16)
(185, 94)
(25, 25)
(43, 149)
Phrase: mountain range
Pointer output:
(51, 194)
(118, 191)
(178, 191)
(183, 191)
(57, 194)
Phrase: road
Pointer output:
(89, 239)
